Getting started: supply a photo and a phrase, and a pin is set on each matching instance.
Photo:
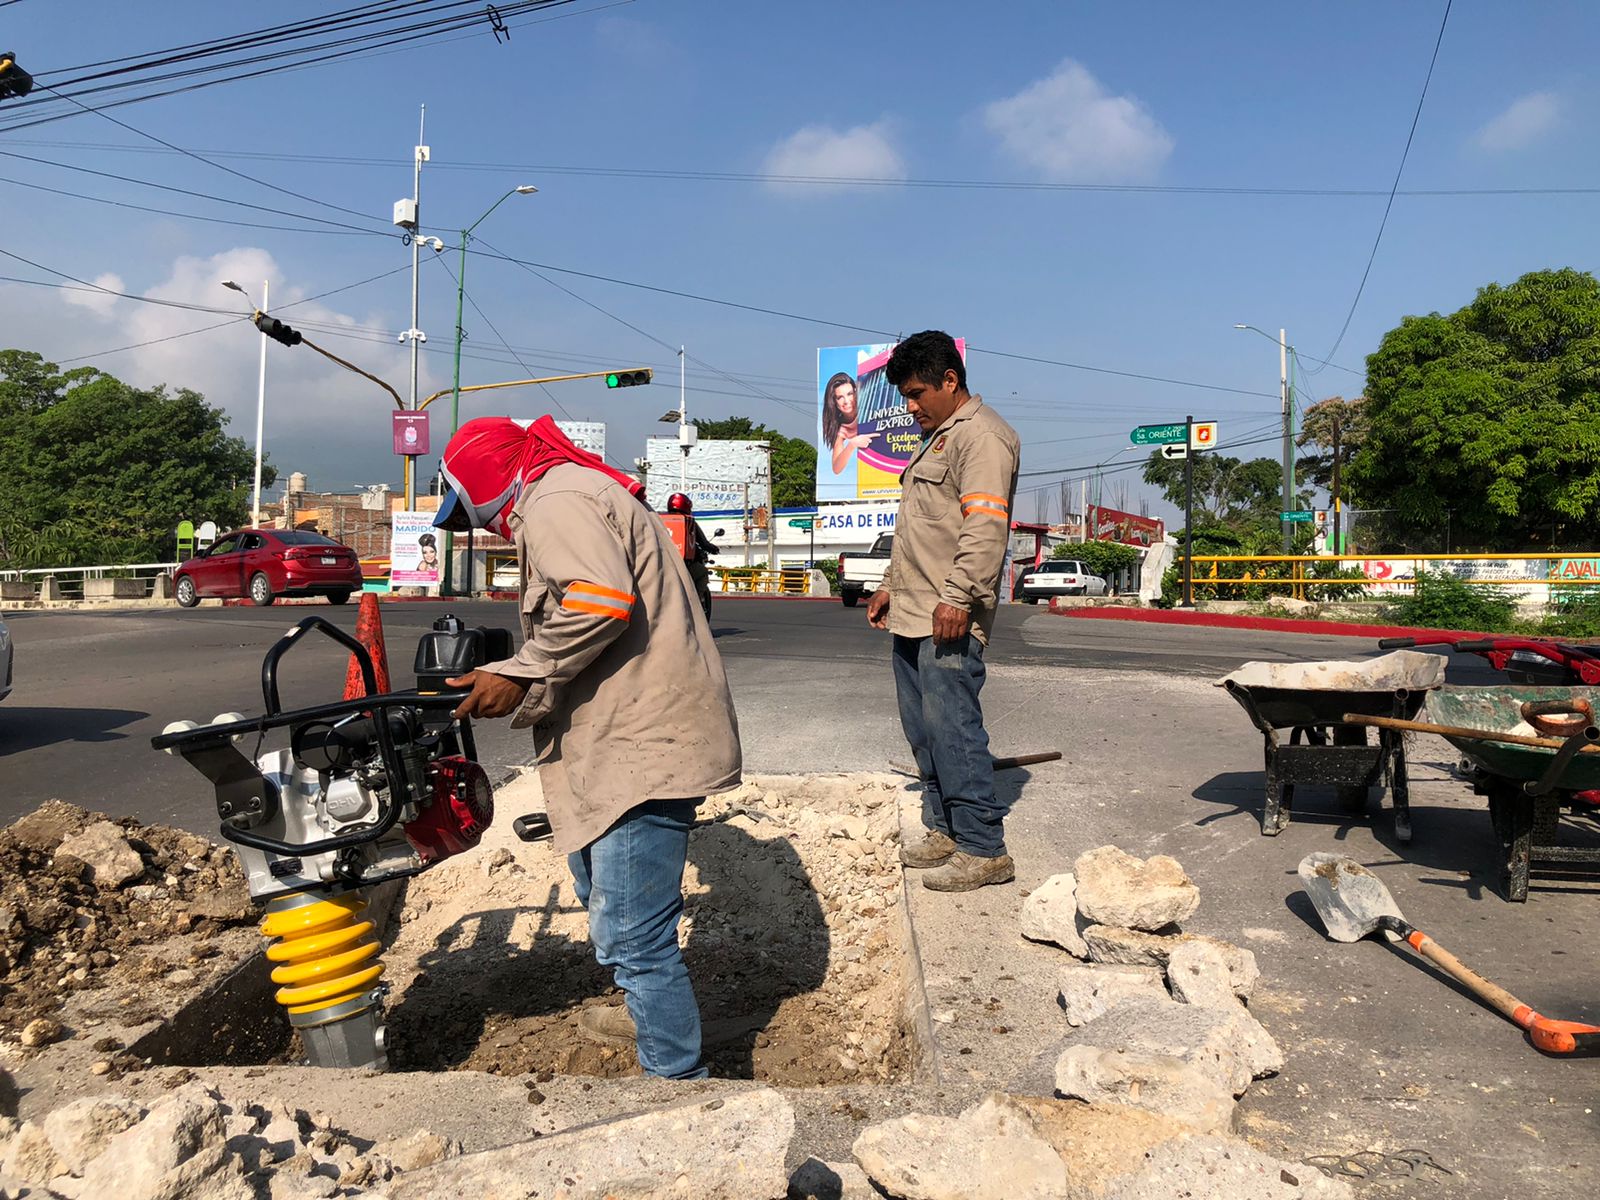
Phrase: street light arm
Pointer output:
(489, 387)
(398, 402)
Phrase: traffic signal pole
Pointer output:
(1188, 512)
(1288, 440)
(261, 414)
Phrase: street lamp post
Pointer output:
(1288, 428)
(261, 397)
(455, 390)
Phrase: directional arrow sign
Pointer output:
(1178, 451)
(1159, 435)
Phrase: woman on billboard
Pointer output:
(839, 430)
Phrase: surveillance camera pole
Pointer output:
(414, 334)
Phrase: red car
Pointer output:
(267, 563)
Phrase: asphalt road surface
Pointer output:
(92, 688)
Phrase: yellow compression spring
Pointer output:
(327, 955)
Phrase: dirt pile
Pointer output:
(86, 904)
(791, 932)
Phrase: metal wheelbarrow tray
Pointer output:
(1309, 701)
(1526, 786)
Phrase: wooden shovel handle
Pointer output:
(1492, 994)
(1481, 735)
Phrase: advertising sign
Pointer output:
(1113, 525)
(413, 551)
(865, 436)
(410, 432)
(586, 435)
(714, 477)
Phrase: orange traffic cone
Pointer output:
(369, 632)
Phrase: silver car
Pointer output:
(5, 659)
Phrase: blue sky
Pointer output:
(1173, 95)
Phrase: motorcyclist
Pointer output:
(697, 563)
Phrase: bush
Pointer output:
(1441, 601)
(1573, 618)
(830, 570)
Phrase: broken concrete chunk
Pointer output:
(731, 1148)
(1115, 888)
(41, 1031)
(12, 1188)
(30, 1156)
(104, 849)
(79, 1132)
(818, 1180)
(1050, 914)
(1215, 1168)
(1157, 1083)
(1096, 1142)
(417, 1150)
(1211, 973)
(173, 1152)
(1089, 990)
(921, 1157)
(1130, 947)
(1229, 1045)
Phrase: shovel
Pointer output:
(1353, 903)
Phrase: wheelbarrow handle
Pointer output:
(1479, 735)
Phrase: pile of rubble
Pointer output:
(87, 903)
(196, 1145)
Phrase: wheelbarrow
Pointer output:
(1300, 709)
(1533, 750)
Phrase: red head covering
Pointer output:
(490, 460)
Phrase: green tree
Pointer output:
(97, 471)
(794, 460)
(1489, 420)
(1316, 436)
(1227, 491)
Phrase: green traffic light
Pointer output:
(612, 380)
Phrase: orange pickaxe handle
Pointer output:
(1549, 1035)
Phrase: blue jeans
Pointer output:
(631, 880)
(937, 684)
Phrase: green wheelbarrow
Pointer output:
(1531, 751)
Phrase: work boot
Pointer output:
(608, 1024)
(934, 848)
(964, 872)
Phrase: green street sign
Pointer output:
(801, 522)
(1301, 516)
(1159, 435)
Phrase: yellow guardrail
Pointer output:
(1301, 574)
(789, 581)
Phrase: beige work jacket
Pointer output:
(627, 698)
(954, 523)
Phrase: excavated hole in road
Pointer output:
(794, 934)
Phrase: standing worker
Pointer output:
(938, 599)
(624, 689)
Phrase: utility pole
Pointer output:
(683, 424)
(414, 334)
(1288, 447)
(772, 516)
(747, 525)
(1188, 513)
(1338, 547)
(261, 410)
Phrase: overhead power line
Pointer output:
(1394, 187)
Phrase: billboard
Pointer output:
(1112, 525)
(865, 436)
(414, 550)
(714, 476)
(586, 435)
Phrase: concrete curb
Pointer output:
(1168, 616)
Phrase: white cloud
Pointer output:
(98, 303)
(1526, 120)
(1070, 129)
(865, 152)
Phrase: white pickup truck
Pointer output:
(861, 573)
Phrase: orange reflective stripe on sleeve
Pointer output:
(984, 504)
(587, 597)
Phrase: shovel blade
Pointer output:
(1350, 899)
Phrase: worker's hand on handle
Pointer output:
(950, 623)
(492, 695)
(878, 609)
